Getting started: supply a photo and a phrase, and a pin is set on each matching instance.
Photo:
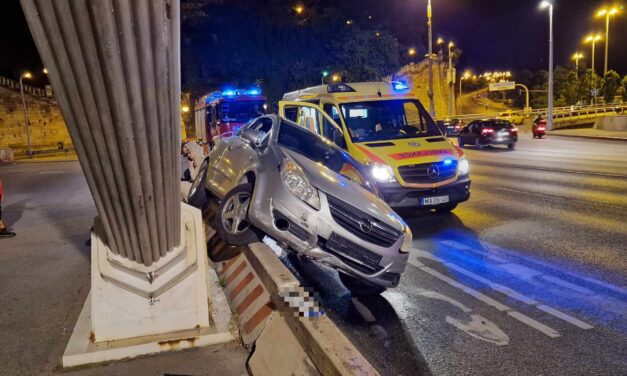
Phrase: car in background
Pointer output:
(277, 178)
(481, 133)
(450, 127)
(511, 116)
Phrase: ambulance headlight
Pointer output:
(382, 173)
(463, 167)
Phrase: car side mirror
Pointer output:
(253, 137)
(338, 138)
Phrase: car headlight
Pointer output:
(295, 180)
(382, 173)
(463, 167)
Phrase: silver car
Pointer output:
(279, 179)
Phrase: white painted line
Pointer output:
(52, 172)
(534, 324)
(493, 303)
(463, 247)
(509, 292)
(568, 285)
(564, 316)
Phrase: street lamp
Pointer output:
(411, 52)
(592, 38)
(451, 79)
(349, 22)
(430, 36)
(466, 76)
(26, 75)
(607, 12)
(576, 57)
(324, 75)
(336, 78)
(543, 5)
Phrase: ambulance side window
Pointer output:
(327, 127)
(308, 119)
(291, 113)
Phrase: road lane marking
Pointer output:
(568, 285)
(52, 172)
(563, 316)
(517, 270)
(527, 167)
(489, 301)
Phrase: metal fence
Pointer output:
(12, 84)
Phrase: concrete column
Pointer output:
(115, 69)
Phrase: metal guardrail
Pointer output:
(12, 84)
(559, 113)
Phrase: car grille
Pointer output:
(353, 254)
(360, 224)
(420, 173)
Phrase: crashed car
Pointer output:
(279, 179)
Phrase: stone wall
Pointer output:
(612, 123)
(417, 77)
(47, 127)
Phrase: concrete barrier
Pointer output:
(6, 157)
(280, 322)
(612, 123)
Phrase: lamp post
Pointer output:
(324, 75)
(467, 75)
(607, 13)
(543, 5)
(430, 56)
(451, 79)
(411, 52)
(26, 125)
(576, 57)
(593, 82)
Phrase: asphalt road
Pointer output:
(527, 278)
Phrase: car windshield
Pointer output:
(241, 112)
(388, 120)
(321, 151)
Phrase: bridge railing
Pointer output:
(15, 85)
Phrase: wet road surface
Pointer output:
(529, 277)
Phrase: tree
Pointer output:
(625, 88)
(611, 83)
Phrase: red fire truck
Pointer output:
(222, 113)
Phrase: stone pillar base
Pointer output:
(132, 310)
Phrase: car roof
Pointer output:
(361, 91)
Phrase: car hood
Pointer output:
(407, 151)
(344, 189)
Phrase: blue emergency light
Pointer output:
(399, 86)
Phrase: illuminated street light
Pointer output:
(349, 22)
(26, 75)
(336, 78)
(378, 34)
(576, 57)
(45, 71)
(324, 75)
(544, 5)
(593, 38)
(299, 9)
(184, 109)
(607, 12)
(411, 52)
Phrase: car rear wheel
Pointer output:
(511, 146)
(232, 223)
(197, 196)
(358, 287)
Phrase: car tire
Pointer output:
(197, 196)
(358, 287)
(446, 208)
(511, 146)
(231, 223)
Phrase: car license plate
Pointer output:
(434, 200)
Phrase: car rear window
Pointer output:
(498, 125)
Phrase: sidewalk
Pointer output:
(70, 157)
(592, 133)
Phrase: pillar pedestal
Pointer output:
(134, 310)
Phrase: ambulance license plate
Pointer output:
(437, 200)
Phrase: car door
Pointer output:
(236, 157)
(465, 134)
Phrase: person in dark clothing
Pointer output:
(4, 233)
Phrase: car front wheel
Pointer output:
(232, 224)
(197, 196)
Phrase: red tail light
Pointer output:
(487, 131)
(540, 128)
(457, 127)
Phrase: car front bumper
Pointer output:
(315, 234)
(398, 196)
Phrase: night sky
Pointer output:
(493, 34)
